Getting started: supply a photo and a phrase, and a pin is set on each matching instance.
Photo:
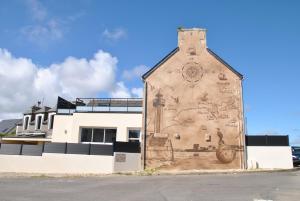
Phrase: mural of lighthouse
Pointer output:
(158, 103)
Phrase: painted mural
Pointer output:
(194, 111)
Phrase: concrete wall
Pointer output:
(67, 127)
(57, 163)
(269, 157)
(125, 162)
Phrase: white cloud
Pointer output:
(135, 72)
(137, 92)
(45, 33)
(45, 28)
(114, 35)
(120, 91)
(37, 10)
(23, 83)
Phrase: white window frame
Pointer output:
(36, 120)
(29, 119)
(109, 143)
(134, 128)
(49, 120)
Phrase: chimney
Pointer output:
(192, 41)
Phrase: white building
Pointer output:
(97, 121)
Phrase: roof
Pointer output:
(225, 63)
(177, 49)
(32, 109)
(43, 110)
(6, 126)
(149, 72)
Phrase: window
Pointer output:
(98, 135)
(51, 121)
(26, 122)
(38, 122)
(134, 135)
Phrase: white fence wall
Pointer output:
(57, 163)
(127, 162)
(269, 157)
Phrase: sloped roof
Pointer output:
(225, 63)
(149, 72)
(176, 50)
(43, 110)
(8, 125)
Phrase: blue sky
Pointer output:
(260, 39)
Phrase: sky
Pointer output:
(86, 48)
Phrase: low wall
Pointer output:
(70, 158)
(126, 162)
(269, 157)
(57, 163)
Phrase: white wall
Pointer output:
(62, 127)
(269, 157)
(132, 162)
(67, 127)
(57, 163)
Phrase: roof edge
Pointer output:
(149, 72)
(225, 63)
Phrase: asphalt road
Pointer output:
(283, 186)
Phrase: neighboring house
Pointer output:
(36, 126)
(8, 126)
(97, 121)
(194, 109)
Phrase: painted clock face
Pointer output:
(192, 72)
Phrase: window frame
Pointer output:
(104, 136)
(134, 128)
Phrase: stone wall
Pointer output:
(193, 114)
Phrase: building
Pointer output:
(87, 120)
(193, 115)
(98, 120)
(9, 126)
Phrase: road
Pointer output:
(279, 186)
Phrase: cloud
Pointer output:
(37, 10)
(43, 34)
(135, 72)
(44, 29)
(23, 82)
(137, 92)
(120, 91)
(114, 35)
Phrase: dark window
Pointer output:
(110, 135)
(26, 123)
(98, 135)
(86, 135)
(51, 121)
(39, 122)
(134, 135)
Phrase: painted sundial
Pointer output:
(192, 72)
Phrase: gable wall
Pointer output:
(192, 101)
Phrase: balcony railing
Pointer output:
(109, 105)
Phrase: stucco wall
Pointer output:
(194, 113)
(67, 127)
(125, 162)
(269, 157)
(57, 163)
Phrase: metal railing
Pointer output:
(109, 105)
